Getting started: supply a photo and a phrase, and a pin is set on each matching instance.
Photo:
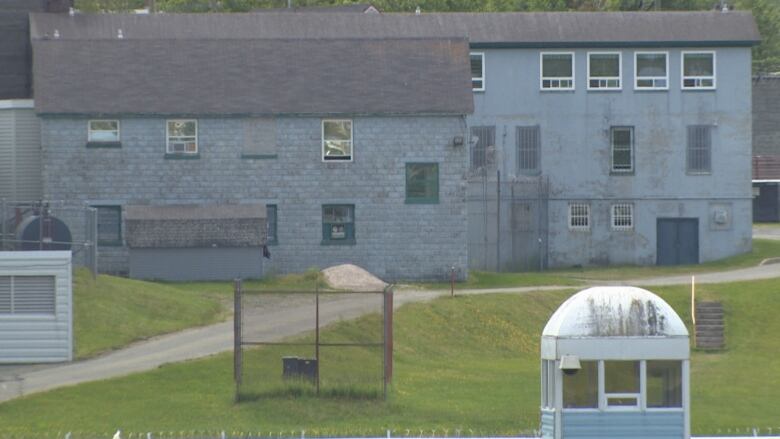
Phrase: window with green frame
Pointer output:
(422, 183)
(109, 225)
(338, 224)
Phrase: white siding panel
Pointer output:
(47, 334)
(20, 155)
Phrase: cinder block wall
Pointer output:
(394, 240)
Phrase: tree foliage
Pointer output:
(766, 56)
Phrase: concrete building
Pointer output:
(357, 147)
(615, 364)
(595, 138)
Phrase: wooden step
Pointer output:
(710, 326)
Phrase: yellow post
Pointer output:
(693, 307)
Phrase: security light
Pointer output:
(570, 364)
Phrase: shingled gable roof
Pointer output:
(564, 29)
(252, 77)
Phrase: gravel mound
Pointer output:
(353, 278)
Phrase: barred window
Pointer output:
(622, 216)
(528, 149)
(579, 216)
(483, 146)
(699, 151)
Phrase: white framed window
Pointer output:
(103, 130)
(337, 140)
(651, 70)
(698, 70)
(556, 70)
(621, 385)
(182, 136)
(621, 141)
(477, 71)
(579, 216)
(622, 216)
(605, 70)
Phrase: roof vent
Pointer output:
(570, 364)
(724, 7)
(71, 11)
(142, 11)
(56, 34)
(417, 11)
(119, 34)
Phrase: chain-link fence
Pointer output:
(350, 358)
(50, 225)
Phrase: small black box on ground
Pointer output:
(290, 367)
(307, 368)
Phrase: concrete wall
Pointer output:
(20, 151)
(39, 338)
(575, 155)
(393, 240)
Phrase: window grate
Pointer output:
(622, 216)
(483, 150)
(528, 149)
(27, 295)
(579, 216)
(699, 151)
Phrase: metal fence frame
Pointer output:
(13, 212)
(386, 343)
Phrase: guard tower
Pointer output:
(615, 364)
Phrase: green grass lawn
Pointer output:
(467, 365)
(762, 249)
(110, 312)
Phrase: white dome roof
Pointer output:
(615, 312)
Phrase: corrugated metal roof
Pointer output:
(562, 28)
(247, 77)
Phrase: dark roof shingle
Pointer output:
(523, 29)
(242, 77)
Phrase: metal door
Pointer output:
(677, 241)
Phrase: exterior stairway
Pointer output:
(709, 326)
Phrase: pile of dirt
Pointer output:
(353, 278)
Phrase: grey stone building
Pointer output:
(356, 147)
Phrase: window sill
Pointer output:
(347, 159)
(421, 201)
(529, 172)
(259, 156)
(96, 145)
(621, 173)
(169, 156)
(338, 242)
(699, 89)
(698, 173)
(599, 90)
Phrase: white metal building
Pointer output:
(36, 307)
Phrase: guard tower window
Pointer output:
(621, 383)
(581, 389)
(664, 383)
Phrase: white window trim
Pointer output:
(613, 217)
(351, 140)
(482, 78)
(682, 70)
(619, 77)
(90, 130)
(168, 137)
(636, 71)
(579, 228)
(557, 78)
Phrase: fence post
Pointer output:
(388, 338)
(237, 357)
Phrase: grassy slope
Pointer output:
(762, 249)
(110, 312)
(468, 363)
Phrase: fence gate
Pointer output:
(312, 342)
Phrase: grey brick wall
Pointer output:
(393, 240)
(766, 115)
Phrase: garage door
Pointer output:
(677, 241)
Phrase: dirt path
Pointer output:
(283, 319)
